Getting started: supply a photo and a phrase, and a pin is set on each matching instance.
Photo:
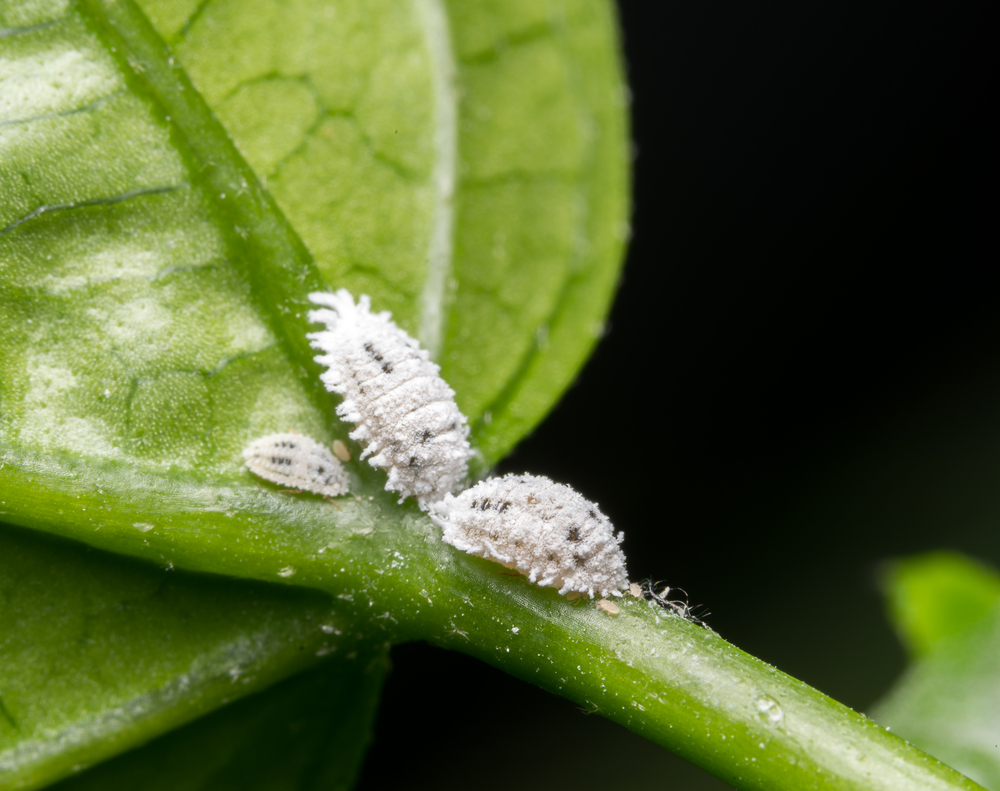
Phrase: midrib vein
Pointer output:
(434, 21)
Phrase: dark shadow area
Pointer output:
(467, 725)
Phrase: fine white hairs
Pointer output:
(543, 529)
(297, 461)
(405, 412)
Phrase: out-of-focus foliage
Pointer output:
(946, 608)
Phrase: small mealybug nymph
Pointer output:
(609, 607)
(405, 412)
(543, 529)
(297, 461)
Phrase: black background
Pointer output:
(801, 375)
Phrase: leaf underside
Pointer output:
(175, 177)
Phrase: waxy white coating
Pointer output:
(297, 461)
(405, 412)
(543, 529)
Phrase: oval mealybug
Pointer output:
(340, 450)
(405, 411)
(297, 461)
(543, 529)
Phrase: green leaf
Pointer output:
(154, 293)
(933, 596)
(948, 702)
(100, 653)
(946, 608)
(159, 173)
(464, 161)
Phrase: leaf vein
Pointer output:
(189, 22)
(10, 32)
(529, 35)
(38, 211)
(94, 105)
(5, 714)
(396, 167)
(440, 252)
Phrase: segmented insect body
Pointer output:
(543, 529)
(405, 411)
(297, 461)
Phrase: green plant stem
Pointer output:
(681, 686)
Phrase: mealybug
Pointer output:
(406, 413)
(297, 461)
(609, 607)
(340, 450)
(543, 529)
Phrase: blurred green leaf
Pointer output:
(948, 702)
(933, 596)
(100, 653)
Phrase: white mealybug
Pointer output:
(405, 411)
(340, 450)
(609, 607)
(540, 528)
(297, 461)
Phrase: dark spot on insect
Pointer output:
(377, 357)
(413, 462)
(503, 506)
(484, 504)
(574, 534)
(426, 435)
(475, 503)
(281, 460)
(552, 555)
(592, 513)
(320, 470)
(579, 560)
